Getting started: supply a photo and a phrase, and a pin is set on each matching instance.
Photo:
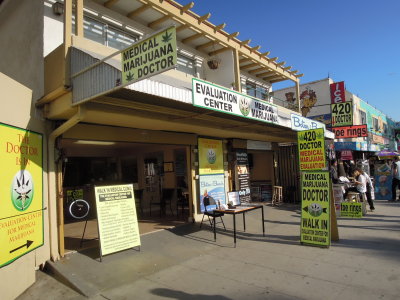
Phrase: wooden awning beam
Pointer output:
(219, 51)
(249, 66)
(206, 45)
(219, 27)
(203, 18)
(187, 7)
(265, 73)
(110, 3)
(256, 70)
(233, 35)
(138, 11)
(243, 43)
(193, 37)
(159, 21)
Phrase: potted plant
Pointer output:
(213, 63)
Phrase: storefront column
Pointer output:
(298, 95)
(238, 85)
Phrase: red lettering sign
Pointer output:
(346, 155)
(338, 92)
(347, 132)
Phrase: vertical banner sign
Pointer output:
(342, 114)
(311, 146)
(149, 57)
(210, 157)
(338, 93)
(315, 208)
(21, 192)
(116, 218)
(243, 176)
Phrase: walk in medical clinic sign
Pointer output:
(211, 96)
(311, 146)
(116, 218)
(315, 208)
(150, 56)
(21, 192)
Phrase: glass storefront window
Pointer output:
(256, 91)
(186, 65)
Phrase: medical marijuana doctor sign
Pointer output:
(150, 56)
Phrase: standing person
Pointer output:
(396, 177)
(333, 171)
(369, 191)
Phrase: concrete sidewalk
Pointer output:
(186, 263)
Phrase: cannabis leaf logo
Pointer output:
(320, 135)
(129, 76)
(167, 37)
(301, 136)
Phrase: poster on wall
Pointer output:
(311, 146)
(315, 208)
(21, 192)
(211, 159)
(116, 218)
(383, 182)
(212, 186)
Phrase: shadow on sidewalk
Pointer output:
(174, 294)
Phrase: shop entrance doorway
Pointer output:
(158, 173)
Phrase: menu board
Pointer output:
(116, 217)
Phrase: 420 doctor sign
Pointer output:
(21, 192)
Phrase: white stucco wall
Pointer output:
(21, 83)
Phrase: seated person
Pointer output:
(360, 184)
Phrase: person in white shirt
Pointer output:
(360, 182)
(369, 191)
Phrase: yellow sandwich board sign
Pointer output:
(315, 208)
(311, 146)
(21, 192)
(150, 56)
(116, 218)
(351, 209)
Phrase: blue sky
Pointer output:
(353, 41)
